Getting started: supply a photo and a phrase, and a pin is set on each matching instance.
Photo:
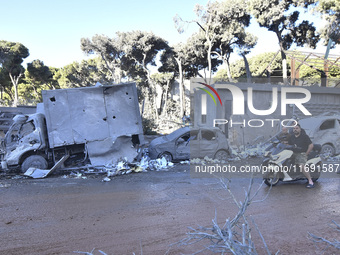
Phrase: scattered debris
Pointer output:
(205, 160)
(4, 185)
(36, 173)
(106, 179)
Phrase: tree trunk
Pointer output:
(153, 92)
(166, 98)
(209, 61)
(284, 70)
(226, 64)
(284, 62)
(246, 64)
(181, 87)
(15, 82)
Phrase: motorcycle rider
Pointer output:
(284, 135)
(302, 147)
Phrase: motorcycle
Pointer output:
(278, 164)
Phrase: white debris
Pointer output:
(185, 162)
(206, 160)
(159, 164)
(334, 159)
(76, 175)
(36, 173)
(106, 179)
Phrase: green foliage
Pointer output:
(83, 74)
(149, 126)
(110, 51)
(259, 63)
(162, 79)
(330, 10)
(140, 51)
(11, 57)
(277, 16)
(257, 66)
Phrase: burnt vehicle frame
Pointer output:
(191, 142)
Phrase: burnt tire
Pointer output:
(221, 155)
(35, 161)
(166, 155)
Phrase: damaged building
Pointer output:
(245, 127)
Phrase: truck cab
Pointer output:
(26, 137)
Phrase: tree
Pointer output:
(257, 65)
(37, 77)
(276, 16)
(222, 28)
(110, 51)
(11, 57)
(140, 51)
(81, 74)
(232, 21)
(330, 10)
(5, 86)
(186, 60)
(39, 74)
(164, 80)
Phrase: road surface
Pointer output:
(148, 212)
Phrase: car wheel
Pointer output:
(221, 155)
(166, 155)
(36, 161)
(327, 150)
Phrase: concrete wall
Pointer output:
(322, 100)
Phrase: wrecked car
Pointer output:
(186, 143)
(89, 125)
(324, 130)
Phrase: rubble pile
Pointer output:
(124, 167)
(334, 158)
(206, 160)
(253, 151)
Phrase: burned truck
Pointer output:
(78, 126)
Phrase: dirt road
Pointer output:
(149, 211)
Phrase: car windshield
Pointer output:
(177, 133)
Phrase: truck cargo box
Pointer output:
(95, 116)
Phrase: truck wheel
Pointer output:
(36, 161)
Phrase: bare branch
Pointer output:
(334, 243)
(235, 235)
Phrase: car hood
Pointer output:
(158, 141)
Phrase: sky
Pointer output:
(52, 30)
